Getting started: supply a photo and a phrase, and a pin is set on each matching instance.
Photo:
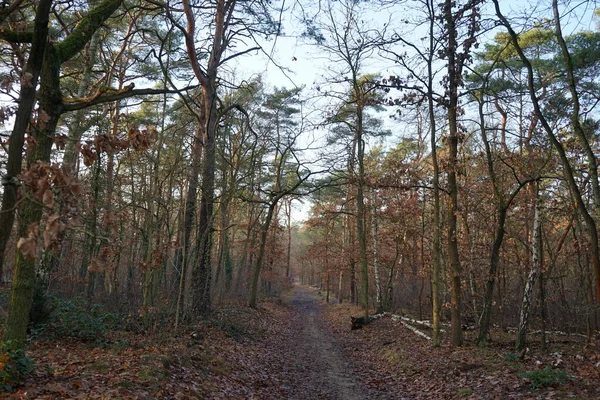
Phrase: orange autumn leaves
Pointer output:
(40, 183)
(138, 139)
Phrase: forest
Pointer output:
(215, 187)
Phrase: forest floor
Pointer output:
(302, 348)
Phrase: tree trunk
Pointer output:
(223, 272)
(375, 233)
(261, 253)
(341, 287)
(437, 261)
(536, 249)
(201, 275)
(189, 216)
(77, 128)
(501, 210)
(453, 138)
(289, 238)
(389, 300)
(21, 295)
(361, 235)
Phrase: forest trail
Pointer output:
(296, 347)
(312, 358)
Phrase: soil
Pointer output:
(311, 359)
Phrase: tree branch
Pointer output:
(85, 29)
(107, 97)
(17, 37)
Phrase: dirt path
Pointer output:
(310, 363)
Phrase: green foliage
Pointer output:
(546, 377)
(14, 365)
(74, 318)
(511, 357)
(231, 329)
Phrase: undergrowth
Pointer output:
(14, 365)
(75, 318)
(546, 377)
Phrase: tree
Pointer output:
(537, 254)
(468, 11)
(288, 175)
(50, 110)
(502, 201)
(350, 44)
(560, 148)
(230, 22)
(29, 81)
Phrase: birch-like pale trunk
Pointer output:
(536, 249)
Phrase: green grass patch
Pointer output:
(546, 377)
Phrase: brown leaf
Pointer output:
(6, 83)
(48, 198)
(60, 141)
(54, 227)
(95, 265)
(27, 247)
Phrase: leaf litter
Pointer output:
(299, 348)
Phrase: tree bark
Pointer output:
(437, 262)
(453, 139)
(375, 234)
(536, 250)
(261, 254)
(289, 238)
(361, 235)
(50, 111)
(24, 275)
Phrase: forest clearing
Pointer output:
(301, 348)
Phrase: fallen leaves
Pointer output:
(418, 371)
(301, 350)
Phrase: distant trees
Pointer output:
(350, 43)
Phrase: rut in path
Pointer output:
(313, 362)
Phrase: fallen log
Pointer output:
(415, 330)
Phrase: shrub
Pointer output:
(14, 366)
(231, 329)
(74, 318)
(546, 377)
